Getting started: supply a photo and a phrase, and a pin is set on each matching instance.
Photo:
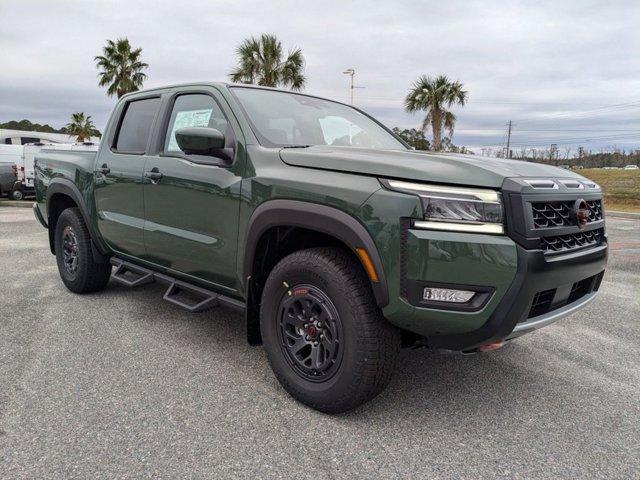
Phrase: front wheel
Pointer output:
(325, 337)
(78, 269)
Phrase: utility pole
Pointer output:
(351, 72)
(508, 155)
(553, 153)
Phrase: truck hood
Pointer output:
(422, 166)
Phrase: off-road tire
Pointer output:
(370, 344)
(89, 275)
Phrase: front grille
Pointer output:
(562, 243)
(543, 301)
(558, 214)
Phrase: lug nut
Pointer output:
(306, 325)
(306, 337)
(319, 324)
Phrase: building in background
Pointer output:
(20, 137)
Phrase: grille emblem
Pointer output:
(581, 213)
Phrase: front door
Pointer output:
(191, 204)
(118, 174)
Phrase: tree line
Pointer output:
(569, 156)
(80, 126)
(584, 159)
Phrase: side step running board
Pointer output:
(182, 294)
(190, 297)
(131, 275)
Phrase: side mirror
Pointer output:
(200, 140)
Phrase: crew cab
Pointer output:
(337, 242)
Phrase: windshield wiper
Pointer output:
(297, 146)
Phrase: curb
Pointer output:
(16, 203)
(633, 215)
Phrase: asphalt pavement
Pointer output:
(120, 384)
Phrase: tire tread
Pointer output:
(92, 276)
(378, 341)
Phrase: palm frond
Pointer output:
(449, 122)
(120, 67)
(260, 61)
(435, 95)
(426, 122)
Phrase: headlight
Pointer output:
(456, 209)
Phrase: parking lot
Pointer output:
(122, 384)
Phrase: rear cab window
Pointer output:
(135, 126)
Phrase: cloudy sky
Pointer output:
(565, 72)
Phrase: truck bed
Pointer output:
(73, 165)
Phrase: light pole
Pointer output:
(351, 72)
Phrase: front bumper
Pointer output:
(553, 316)
(566, 283)
(514, 269)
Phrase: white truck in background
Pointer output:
(25, 163)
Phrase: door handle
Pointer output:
(104, 169)
(154, 175)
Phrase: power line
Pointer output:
(554, 130)
(565, 141)
(550, 103)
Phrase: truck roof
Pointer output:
(216, 84)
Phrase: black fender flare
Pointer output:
(68, 188)
(321, 218)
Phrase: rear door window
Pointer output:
(136, 124)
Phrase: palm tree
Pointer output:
(80, 126)
(435, 96)
(121, 68)
(260, 61)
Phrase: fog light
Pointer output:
(447, 295)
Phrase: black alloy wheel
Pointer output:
(70, 250)
(310, 332)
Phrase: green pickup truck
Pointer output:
(337, 242)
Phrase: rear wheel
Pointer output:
(78, 270)
(16, 194)
(324, 335)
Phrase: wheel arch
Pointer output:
(62, 194)
(326, 222)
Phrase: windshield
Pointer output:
(281, 119)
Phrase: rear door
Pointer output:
(118, 176)
(192, 206)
